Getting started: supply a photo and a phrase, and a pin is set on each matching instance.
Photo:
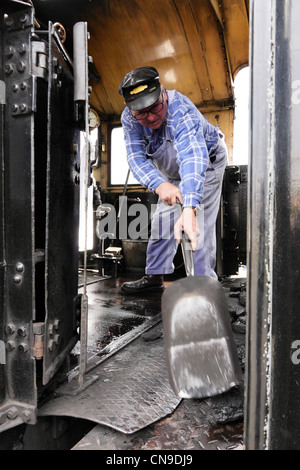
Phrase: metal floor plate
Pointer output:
(127, 392)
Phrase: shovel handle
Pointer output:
(186, 248)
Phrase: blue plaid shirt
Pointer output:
(194, 140)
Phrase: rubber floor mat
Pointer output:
(127, 392)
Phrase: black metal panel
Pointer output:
(285, 415)
(61, 216)
(230, 195)
(17, 292)
(232, 221)
(242, 224)
(273, 367)
(39, 206)
(2, 259)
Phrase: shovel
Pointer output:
(201, 355)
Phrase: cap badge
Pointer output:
(139, 89)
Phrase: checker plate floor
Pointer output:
(127, 392)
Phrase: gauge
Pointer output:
(94, 120)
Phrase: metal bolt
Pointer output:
(10, 346)
(22, 331)
(50, 345)
(23, 108)
(19, 267)
(17, 278)
(56, 339)
(56, 324)
(15, 87)
(23, 18)
(8, 69)
(21, 49)
(23, 86)
(50, 329)
(9, 51)
(25, 416)
(21, 66)
(10, 329)
(23, 347)
(12, 413)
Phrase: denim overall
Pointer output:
(162, 245)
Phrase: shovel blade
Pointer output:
(201, 354)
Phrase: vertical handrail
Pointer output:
(81, 96)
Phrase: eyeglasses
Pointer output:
(156, 109)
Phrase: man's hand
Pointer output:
(169, 193)
(187, 223)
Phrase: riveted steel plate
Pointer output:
(128, 392)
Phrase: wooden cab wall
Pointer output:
(198, 47)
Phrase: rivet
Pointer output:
(50, 344)
(21, 49)
(50, 329)
(12, 413)
(23, 18)
(23, 347)
(8, 69)
(15, 87)
(15, 108)
(23, 108)
(56, 339)
(23, 86)
(17, 278)
(22, 331)
(10, 346)
(19, 267)
(10, 329)
(9, 51)
(21, 66)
